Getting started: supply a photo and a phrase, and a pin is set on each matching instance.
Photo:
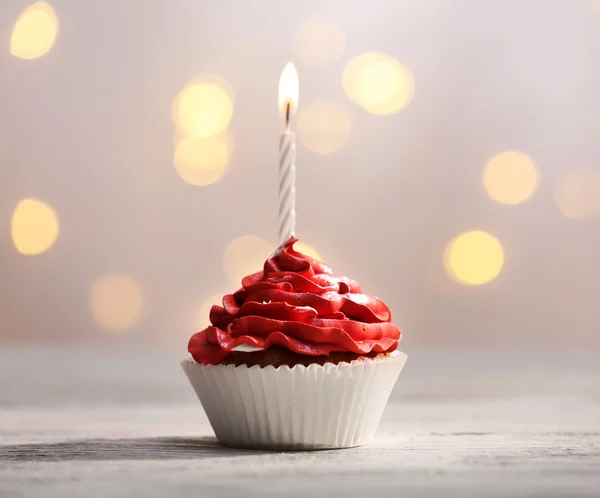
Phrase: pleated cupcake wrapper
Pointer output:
(314, 407)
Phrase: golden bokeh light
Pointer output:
(324, 127)
(201, 160)
(474, 258)
(510, 177)
(319, 41)
(432, 274)
(226, 138)
(116, 301)
(578, 194)
(307, 250)
(204, 313)
(244, 256)
(378, 83)
(34, 227)
(34, 32)
(204, 108)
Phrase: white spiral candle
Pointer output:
(288, 102)
(287, 186)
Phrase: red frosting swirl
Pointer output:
(297, 303)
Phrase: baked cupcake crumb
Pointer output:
(276, 356)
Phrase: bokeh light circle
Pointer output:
(474, 258)
(203, 109)
(323, 126)
(203, 320)
(201, 160)
(307, 250)
(34, 32)
(34, 227)
(510, 177)
(116, 301)
(245, 255)
(318, 41)
(578, 194)
(378, 83)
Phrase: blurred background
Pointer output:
(448, 160)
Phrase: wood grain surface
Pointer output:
(118, 422)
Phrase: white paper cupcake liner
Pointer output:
(314, 407)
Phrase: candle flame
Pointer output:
(288, 89)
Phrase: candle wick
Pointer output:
(287, 116)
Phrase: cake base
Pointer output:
(278, 357)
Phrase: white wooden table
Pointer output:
(113, 422)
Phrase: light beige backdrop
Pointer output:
(90, 120)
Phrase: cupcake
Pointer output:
(297, 358)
